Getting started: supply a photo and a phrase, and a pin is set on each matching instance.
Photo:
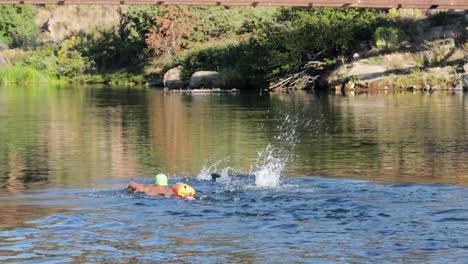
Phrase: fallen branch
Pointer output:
(304, 79)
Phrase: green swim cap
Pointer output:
(160, 179)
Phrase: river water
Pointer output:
(372, 178)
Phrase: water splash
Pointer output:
(232, 181)
(207, 170)
(270, 162)
(269, 168)
(225, 176)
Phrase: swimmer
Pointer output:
(161, 187)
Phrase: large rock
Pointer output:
(172, 78)
(206, 79)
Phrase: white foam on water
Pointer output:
(225, 175)
(269, 168)
(207, 170)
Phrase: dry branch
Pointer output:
(304, 79)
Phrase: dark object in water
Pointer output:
(215, 176)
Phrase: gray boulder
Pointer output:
(206, 79)
(172, 78)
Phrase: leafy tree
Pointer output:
(136, 22)
(389, 37)
(125, 45)
(298, 34)
(218, 22)
(17, 26)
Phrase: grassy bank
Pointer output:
(21, 75)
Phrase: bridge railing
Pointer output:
(420, 4)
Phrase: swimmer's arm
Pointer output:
(149, 189)
(137, 187)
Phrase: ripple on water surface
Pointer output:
(306, 219)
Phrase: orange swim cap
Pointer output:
(183, 190)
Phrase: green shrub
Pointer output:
(42, 60)
(410, 21)
(268, 44)
(70, 62)
(419, 59)
(390, 38)
(123, 46)
(51, 62)
(298, 34)
(233, 57)
(437, 52)
(17, 27)
(404, 15)
(124, 78)
(351, 79)
(20, 74)
(375, 60)
(218, 22)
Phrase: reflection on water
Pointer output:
(66, 154)
(70, 136)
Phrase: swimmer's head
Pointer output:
(183, 190)
(160, 180)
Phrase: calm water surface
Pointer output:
(367, 179)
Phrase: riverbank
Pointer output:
(434, 58)
(438, 64)
(399, 70)
(283, 49)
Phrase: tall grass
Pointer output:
(20, 74)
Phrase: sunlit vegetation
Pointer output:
(249, 46)
(17, 27)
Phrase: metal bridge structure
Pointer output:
(419, 4)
